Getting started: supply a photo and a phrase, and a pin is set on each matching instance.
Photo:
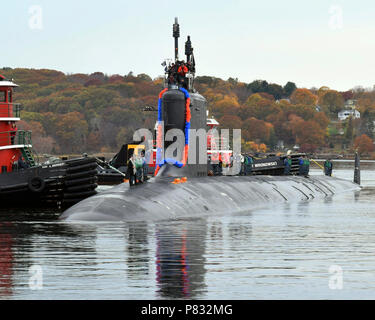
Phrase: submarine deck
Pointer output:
(160, 199)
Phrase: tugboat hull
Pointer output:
(59, 185)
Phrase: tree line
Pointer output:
(75, 113)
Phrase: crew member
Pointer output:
(220, 167)
(139, 169)
(215, 163)
(182, 69)
(328, 166)
(306, 163)
(131, 171)
(13, 132)
(190, 66)
(172, 74)
(242, 172)
(301, 164)
(248, 165)
(144, 165)
(287, 165)
(181, 72)
(22, 164)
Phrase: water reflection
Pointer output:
(279, 252)
(357, 195)
(138, 250)
(216, 230)
(327, 200)
(238, 232)
(6, 260)
(303, 208)
(45, 244)
(180, 259)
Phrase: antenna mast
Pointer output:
(176, 35)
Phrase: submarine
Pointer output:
(183, 189)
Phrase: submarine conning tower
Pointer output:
(181, 107)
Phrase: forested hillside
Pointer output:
(75, 113)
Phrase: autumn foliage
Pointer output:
(303, 96)
(364, 144)
(74, 113)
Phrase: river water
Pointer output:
(322, 249)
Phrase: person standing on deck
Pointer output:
(242, 172)
(220, 166)
(301, 165)
(287, 165)
(306, 163)
(144, 165)
(139, 169)
(215, 160)
(328, 166)
(248, 165)
(131, 171)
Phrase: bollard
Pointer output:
(357, 169)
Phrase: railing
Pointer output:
(217, 143)
(10, 110)
(8, 138)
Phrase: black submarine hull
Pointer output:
(160, 199)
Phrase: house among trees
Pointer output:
(350, 104)
(349, 110)
(345, 114)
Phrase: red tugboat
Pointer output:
(22, 181)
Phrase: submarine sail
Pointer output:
(181, 107)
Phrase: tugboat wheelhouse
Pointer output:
(14, 144)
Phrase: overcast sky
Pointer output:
(312, 43)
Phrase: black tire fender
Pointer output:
(36, 184)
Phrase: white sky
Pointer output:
(312, 43)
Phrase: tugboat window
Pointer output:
(9, 96)
(3, 96)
